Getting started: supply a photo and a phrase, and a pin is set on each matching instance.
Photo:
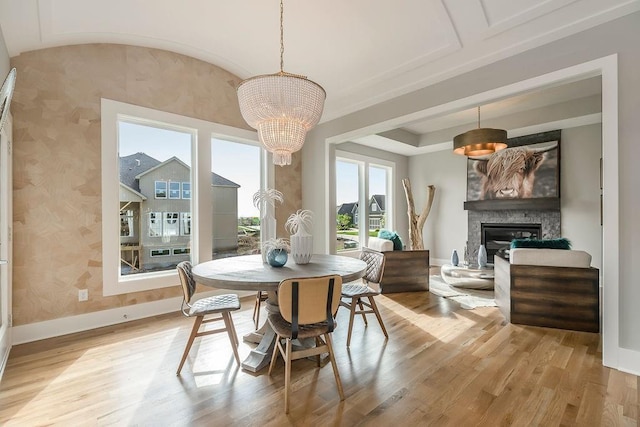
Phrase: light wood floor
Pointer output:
(441, 366)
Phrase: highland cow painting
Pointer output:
(524, 172)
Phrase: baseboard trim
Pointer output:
(629, 361)
(439, 262)
(83, 322)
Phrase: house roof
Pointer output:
(347, 208)
(380, 199)
(135, 165)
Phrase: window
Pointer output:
(126, 223)
(174, 190)
(363, 187)
(155, 224)
(173, 208)
(236, 178)
(160, 252)
(186, 190)
(161, 189)
(348, 180)
(185, 223)
(171, 226)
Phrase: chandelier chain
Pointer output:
(281, 37)
(478, 117)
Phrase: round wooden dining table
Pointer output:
(250, 273)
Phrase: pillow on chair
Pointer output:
(393, 236)
(561, 243)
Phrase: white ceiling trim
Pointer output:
(519, 18)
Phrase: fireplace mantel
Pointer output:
(538, 204)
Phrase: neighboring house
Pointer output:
(350, 209)
(155, 212)
(376, 211)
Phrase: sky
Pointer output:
(347, 176)
(237, 162)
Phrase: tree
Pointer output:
(416, 222)
(344, 222)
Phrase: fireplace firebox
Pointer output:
(499, 236)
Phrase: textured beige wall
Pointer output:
(57, 189)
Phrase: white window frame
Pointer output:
(155, 224)
(361, 216)
(185, 218)
(169, 190)
(201, 242)
(166, 189)
(152, 255)
(183, 191)
(170, 224)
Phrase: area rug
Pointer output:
(468, 298)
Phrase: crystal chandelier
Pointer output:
(282, 107)
(481, 141)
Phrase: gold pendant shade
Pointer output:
(480, 142)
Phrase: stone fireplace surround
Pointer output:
(548, 220)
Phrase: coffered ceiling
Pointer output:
(361, 51)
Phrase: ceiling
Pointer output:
(361, 51)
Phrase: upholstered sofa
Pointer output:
(404, 271)
(554, 288)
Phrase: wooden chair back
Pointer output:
(309, 300)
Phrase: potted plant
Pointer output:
(276, 251)
(299, 224)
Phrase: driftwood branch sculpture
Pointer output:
(416, 222)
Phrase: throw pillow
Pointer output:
(393, 236)
(561, 243)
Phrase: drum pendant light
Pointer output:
(480, 141)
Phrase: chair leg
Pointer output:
(231, 332)
(256, 310)
(352, 314)
(287, 376)
(233, 329)
(377, 313)
(194, 333)
(332, 359)
(274, 355)
(318, 344)
(364, 316)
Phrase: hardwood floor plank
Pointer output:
(442, 365)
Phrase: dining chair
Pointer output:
(220, 304)
(260, 296)
(307, 310)
(356, 292)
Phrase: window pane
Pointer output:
(174, 190)
(186, 190)
(377, 199)
(154, 166)
(347, 184)
(236, 175)
(161, 190)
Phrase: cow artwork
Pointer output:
(523, 172)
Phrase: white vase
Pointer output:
(482, 256)
(301, 248)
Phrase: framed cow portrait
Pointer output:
(528, 169)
